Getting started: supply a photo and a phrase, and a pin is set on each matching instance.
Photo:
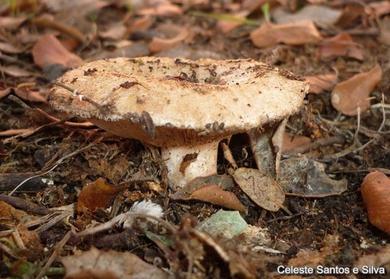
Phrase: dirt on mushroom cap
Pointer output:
(192, 100)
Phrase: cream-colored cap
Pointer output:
(170, 102)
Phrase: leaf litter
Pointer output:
(334, 51)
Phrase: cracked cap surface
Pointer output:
(167, 102)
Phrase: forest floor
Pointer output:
(72, 176)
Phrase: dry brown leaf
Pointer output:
(15, 71)
(48, 21)
(321, 83)
(216, 195)
(176, 34)
(33, 247)
(114, 32)
(97, 194)
(82, 6)
(31, 95)
(140, 24)
(340, 45)
(297, 33)
(109, 264)
(376, 196)
(322, 16)
(10, 216)
(352, 14)
(48, 50)
(290, 141)
(157, 8)
(14, 218)
(4, 92)
(226, 26)
(354, 93)
(262, 189)
(11, 22)
(10, 48)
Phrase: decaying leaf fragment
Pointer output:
(321, 83)
(322, 16)
(340, 45)
(97, 194)
(48, 50)
(175, 35)
(296, 33)
(216, 195)
(305, 177)
(354, 93)
(262, 189)
(109, 264)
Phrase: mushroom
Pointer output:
(184, 107)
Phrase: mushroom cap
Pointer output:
(171, 102)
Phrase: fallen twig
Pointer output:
(24, 204)
(56, 252)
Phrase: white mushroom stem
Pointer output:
(185, 163)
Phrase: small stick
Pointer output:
(75, 93)
(24, 204)
(54, 255)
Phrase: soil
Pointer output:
(308, 225)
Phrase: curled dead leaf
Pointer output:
(321, 83)
(340, 45)
(97, 194)
(376, 196)
(262, 189)
(216, 195)
(176, 34)
(48, 50)
(296, 33)
(354, 93)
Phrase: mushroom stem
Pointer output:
(185, 163)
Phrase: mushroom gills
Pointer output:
(185, 163)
